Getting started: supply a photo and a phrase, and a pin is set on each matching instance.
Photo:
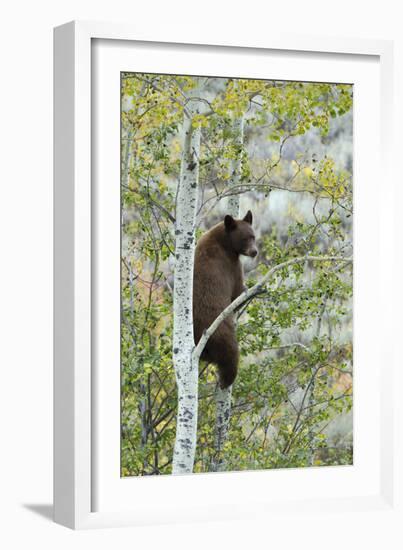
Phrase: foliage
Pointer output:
(295, 377)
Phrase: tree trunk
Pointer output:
(311, 401)
(126, 164)
(186, 370)
(224, 396)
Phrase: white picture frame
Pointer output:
(75, 439)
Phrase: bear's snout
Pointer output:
(251, 252)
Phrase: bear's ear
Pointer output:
(248, 217)
(229, 222)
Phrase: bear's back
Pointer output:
(215, 273)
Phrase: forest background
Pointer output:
(284, 151)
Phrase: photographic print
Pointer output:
(236, 274)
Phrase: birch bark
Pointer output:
(311, 401)
(186, 370)
(223, 397)
(126, 165)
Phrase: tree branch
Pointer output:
(253, 291)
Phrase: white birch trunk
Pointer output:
(126, 167)
(311, 401)
(223, 397)
(186, 370)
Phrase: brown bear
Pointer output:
(218, 280)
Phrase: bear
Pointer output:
(217, 281)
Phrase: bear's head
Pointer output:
(241, 235)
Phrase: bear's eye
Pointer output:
(246, 240)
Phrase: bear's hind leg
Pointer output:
(224, 353)
(227, 373)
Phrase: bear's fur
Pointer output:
(218, 280)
